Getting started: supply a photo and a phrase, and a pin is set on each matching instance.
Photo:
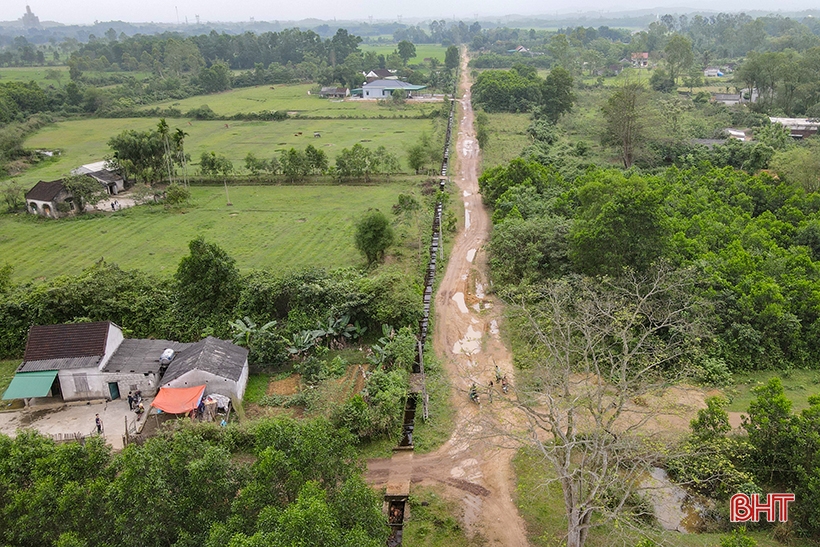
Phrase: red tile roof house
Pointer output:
(640, 59)
(91, 361)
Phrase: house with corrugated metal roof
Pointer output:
(91, 361)
(383, 89)
(113, 182)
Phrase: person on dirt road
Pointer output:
(497, 374)
(474, 394)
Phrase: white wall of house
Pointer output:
(213, 383)
(377, 92)
(147, 383)
(83, 383)
(44, 208)
(90, 383)
(113, 342)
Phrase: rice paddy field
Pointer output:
(298, 101)
(272, 227)
(85, 141)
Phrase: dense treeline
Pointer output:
(779, 452)
(277, 482)
(522, 90)
(206, 294)
(752, 238)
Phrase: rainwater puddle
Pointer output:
(479, 290)
(494, 327)
(466, 216)
(466, 193)
(470, 344)
(675, 509)
(471, 255)
(476, 307)
(459, 299)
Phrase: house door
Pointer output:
(56, 391)
(114, 388)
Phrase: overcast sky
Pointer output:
(165, 11)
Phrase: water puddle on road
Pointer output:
(494, 327)
(479, 290)
(466, 216)
(471, 255)
(459, 299)
(470, 344)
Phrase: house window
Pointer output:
(33, 207)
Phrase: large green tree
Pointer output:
(207, 282)
(627, 115)
(138, 154)
(406, 50)
(557, 97)
(451, 58)
(374, 235)
(679, 56)
(86, 191)
(619, 224)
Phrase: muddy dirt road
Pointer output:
(474, 464)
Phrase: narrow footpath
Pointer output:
(474, 465)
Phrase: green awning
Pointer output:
(30, 384)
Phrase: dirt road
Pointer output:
(473, 465)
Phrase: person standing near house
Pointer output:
(130, 401)
(99, 424)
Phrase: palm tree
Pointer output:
(179, 146)
(163, 129)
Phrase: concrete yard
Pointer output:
(56, 419)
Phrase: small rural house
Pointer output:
(221, 366)
(799, 128)
(383, 89)
(380, 74)
(49, 199)
(713, 72)
(729, 99)
(86, 361)
(334, 92)
(640, 59)
(112, 181)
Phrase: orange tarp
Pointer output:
(178, 400)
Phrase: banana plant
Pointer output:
(245, 330)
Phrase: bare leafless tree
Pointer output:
(601, 352)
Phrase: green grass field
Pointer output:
(799, 385)
(84, 141)
(508, 136)
(294, 99)
(35, 73)
(38, 74)
(423, 51)
(272, 227)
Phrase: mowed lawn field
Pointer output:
(84, 141)
(295, 100)
(271, 227)
(33, 73)
(423, 51)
